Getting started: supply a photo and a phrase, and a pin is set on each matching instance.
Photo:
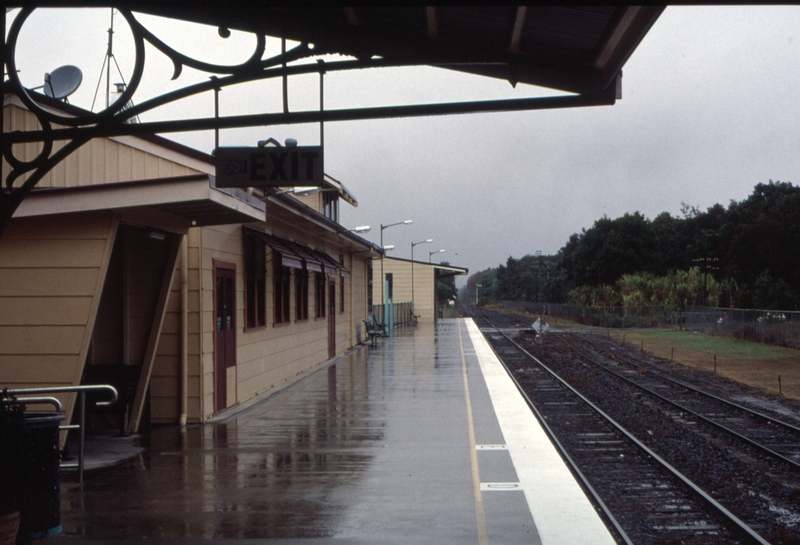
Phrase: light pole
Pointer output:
(476, 293)
(431, 253)
(412, 271)
(383, 280)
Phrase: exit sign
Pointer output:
(269, 166)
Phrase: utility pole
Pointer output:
(706, 262)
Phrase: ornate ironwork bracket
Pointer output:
(78, 128)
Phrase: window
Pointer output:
(255, 281)
(283, 278)
(319, 296)
(301, 294)
(330, 203)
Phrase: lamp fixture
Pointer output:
(430, 254)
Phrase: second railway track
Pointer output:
(620, 437)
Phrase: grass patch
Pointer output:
(755, 364)
(722, 346)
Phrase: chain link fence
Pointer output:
(616, 317)
(776, 327)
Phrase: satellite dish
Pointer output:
(63, 81)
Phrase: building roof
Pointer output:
(440, 270)
(573, 48)
(187, 200)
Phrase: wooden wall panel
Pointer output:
(29, 368)
(51, 278)
(98, 161)
(165, 392)
(67, 254)
(35, 282)
(33, 311)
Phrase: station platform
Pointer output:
(422, 439)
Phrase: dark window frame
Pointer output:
(282, 285)
(330, 206)
(320, 280)
(301, 294)
(255, 265)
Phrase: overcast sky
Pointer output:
(709, 109)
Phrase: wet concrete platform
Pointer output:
(423, 439)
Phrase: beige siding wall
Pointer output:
(267, 356)
(424, 293)
(165, 380)
(314, 201)
(98, 161)
(51, 277)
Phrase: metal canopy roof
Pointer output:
(573, 48)
(578, 49)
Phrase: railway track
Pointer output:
(767, 433)
(660, 471)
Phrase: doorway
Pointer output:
(224, 329)
(123, 338)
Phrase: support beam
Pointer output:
(606, 97)
(432, 22)
(516, 34)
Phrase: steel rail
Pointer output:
(38, 401)
(563, 451)
(696, 390)
(705, 419)
(741, 525)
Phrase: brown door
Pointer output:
(224, 330)
(332, 317)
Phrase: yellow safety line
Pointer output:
(476, 479)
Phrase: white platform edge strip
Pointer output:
(561, 511)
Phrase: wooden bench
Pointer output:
(375, 329)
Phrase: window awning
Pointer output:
(289, 256)
(331, 264)
(298, 256)
(313, 262)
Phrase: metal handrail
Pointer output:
(39, 400)
(81, 426)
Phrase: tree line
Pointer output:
(744, 255)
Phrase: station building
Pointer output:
(128, 266)
(410, 287)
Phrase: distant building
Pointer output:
(409, 281)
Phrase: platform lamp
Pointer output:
(436, 252)
(383, 280)
(412, 270)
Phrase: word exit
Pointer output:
(269, 166)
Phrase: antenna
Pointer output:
(62, 81)
(106, 67)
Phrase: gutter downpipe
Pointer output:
(184, 326)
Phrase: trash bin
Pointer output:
(40, 504)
